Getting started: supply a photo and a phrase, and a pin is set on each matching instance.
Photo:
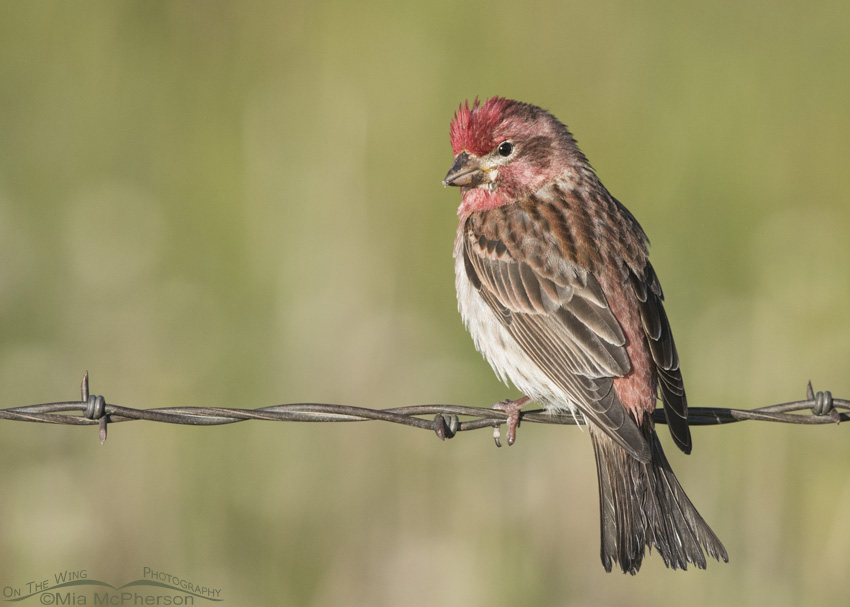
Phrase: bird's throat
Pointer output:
(481, 199)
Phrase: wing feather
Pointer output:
(558, 315)
(663, 349)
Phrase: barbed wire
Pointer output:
(445, 420)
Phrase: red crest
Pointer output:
(475, 128)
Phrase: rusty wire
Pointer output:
(444, 419)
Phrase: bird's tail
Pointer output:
(643, 504)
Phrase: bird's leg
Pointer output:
(512, 408)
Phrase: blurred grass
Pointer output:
(217, 204)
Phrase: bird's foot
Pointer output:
(512, 408)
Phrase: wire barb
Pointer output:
(446, 426)
(444, 420)
(95, 408)
(823, 404)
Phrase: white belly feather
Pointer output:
(501, 350)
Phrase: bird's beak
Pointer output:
(468, 171)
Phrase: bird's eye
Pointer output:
(505, 149)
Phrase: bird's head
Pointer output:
(505, 150)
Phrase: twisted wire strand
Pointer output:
(445, 420)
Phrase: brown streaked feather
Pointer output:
(663, 349)
(557, 313)
(644, 505)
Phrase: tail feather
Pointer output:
(643, 504)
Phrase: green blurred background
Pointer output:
(239, 204)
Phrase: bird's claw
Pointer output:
(512, 408)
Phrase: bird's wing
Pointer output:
(663, 349)
(556, 312)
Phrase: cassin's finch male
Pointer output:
(554, 283)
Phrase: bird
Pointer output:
(555, 286)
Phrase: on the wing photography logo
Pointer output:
(75, 587)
